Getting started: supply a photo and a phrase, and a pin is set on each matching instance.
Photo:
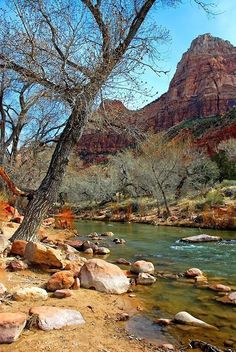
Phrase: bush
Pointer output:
(214, 197)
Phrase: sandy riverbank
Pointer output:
(101, 332)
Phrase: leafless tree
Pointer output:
(74, 49)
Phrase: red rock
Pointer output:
(203, 86)
(11, 326)
(17, 265)
(141, 266)
(40, 254)
(61, 280)
(18, 247)
(75, 244)
(74, 266)
(62, 293)
(49, 318)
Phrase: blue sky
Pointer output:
(185, 23)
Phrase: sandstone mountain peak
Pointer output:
(204, 85)
(207, 43)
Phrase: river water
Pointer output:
(160, 245)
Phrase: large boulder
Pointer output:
(40, 254)
(30, 293)
(141, 266)
(11, 326)
(49, 318)
(61, 280)
(201, 238)
(103, 276)
(188, 319)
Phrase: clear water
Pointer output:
(166, 297)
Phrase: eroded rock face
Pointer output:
(11, 326)
(40, 254)
(103, 276)
(203, 86)
(49, 318)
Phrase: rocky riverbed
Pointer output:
(61, 293)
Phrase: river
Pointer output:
(167, 296)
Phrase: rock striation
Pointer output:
(204, 85)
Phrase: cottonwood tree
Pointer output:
(164, 169)
(74, 49)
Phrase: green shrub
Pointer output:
(214, 197)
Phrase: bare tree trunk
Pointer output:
(158, 207)
(46, 194)
(162, 191)
(14, 151)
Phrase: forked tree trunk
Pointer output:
(46, 194)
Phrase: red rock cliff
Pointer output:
(204, 85)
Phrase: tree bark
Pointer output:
(47, 192)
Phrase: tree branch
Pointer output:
(135, 25)
(95, 11)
